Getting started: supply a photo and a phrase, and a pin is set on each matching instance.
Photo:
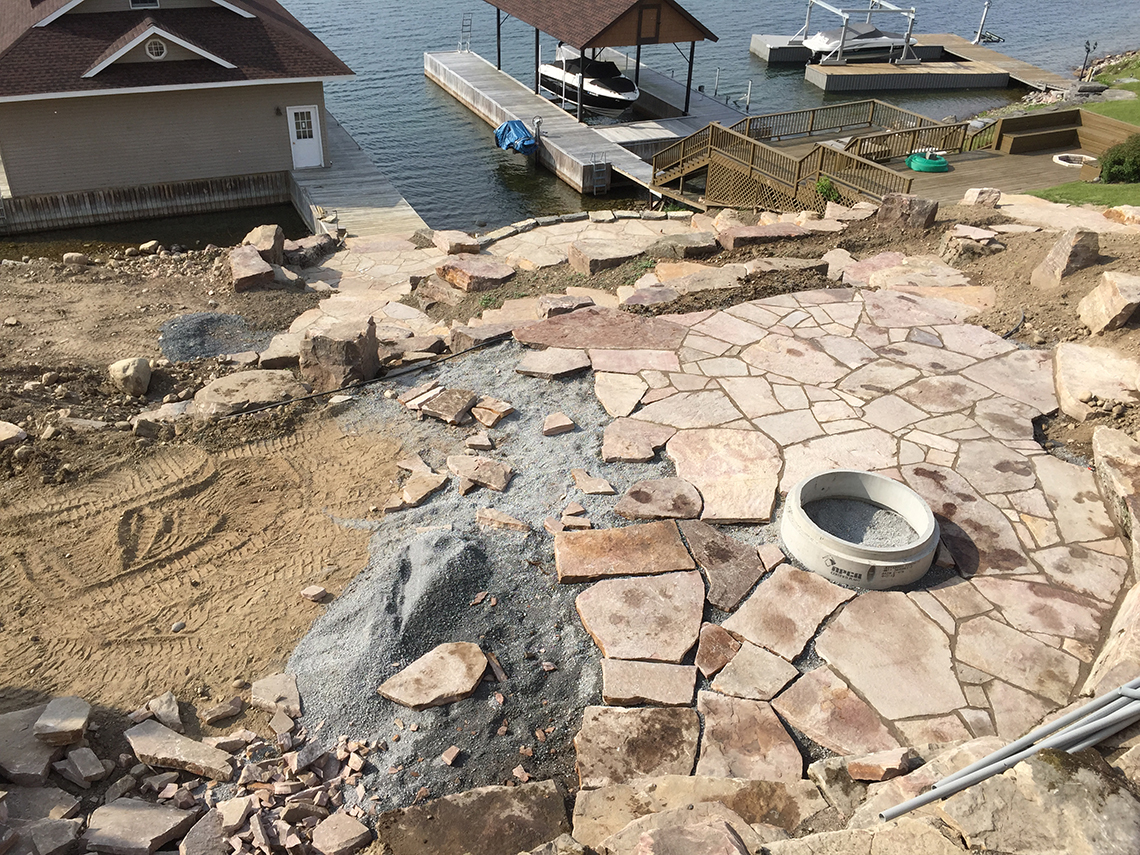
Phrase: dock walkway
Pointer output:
(1018, 70)
(364, 201)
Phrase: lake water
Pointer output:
(443, 159)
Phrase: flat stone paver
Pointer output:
(745, 739)
(736, 472)
(998, 649)
(753, 673)
(634, 550)
(650, 617)
(660, 498)
(731, 566)
(618, 745)
(443, 675)
(823, 708)
(630, 683)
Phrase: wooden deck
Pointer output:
(1018, 70)
(884, 76)
(351, 187)
(1010, 173)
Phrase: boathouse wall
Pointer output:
(70, 145)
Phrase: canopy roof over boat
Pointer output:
(586, 24)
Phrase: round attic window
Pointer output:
(156, 48)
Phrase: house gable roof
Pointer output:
(67, 5)
(138, 34)
(52, 61)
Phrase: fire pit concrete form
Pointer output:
(854, 564)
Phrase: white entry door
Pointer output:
(305, 133)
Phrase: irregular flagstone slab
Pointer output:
(893, 656)
(927, 359)
(553, 363)
(715, 649)
(739, 236)
(974, 341)
(1048, 803)
(679, 821)
(730, 565)
(628, 683)
(591, 256)
(492, 474)
(660, 498)
(63, 722)
(483, 821)
(1084, 571)
(607, 810)
(944, 394)
(859, 273)
(735, 471)
(338, 834)
(132, 827)
(1037, 608)
(633, 550)
(1023, 375)
(927, 271)
(43, 836)
(158, 745)
(713, 838)
(878, 378)
(590, 485)
(941, 729)
(24, 759)
(753, 673)
(205, 837)
(993, 467)
(796, 358)
(745, 739)
(277, 692)
(731, 329)
(869, 449)
(443, 675)
(786, 609)
(691, 410)
(1119, 659)
(691, 245)
(474, 273)
(1075, 500)
(1112, 303)
(634, 361)
(245, 390)
(1006, 419)
(29, 804)
(598, 327)
(634, 440)
(653, 617)
(619, 394)
(888, 309)
(753, 396)
(995, 648)
(824, 709)
(1015, 712)
(617, 746)
(906, 836)
(849, 351)
(1080, 370)
(978, 535)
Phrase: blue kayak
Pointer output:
(514, 134)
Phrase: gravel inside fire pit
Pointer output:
(860, 522)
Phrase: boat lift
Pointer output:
(874, 7)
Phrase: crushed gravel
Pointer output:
(201, 335)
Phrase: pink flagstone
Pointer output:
(650, 617)
(997, 649)
(1023, 375)
(745, 739)
(735, 471)
(823, 708)
(795, 358)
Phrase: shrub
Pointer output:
(827, 190)
(1121, 163)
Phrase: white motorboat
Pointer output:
(860, 42)
(606, 91)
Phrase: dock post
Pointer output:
(536, 62)
(498, 39)
(689, 81)
(637, 66)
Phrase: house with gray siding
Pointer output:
(119, 109)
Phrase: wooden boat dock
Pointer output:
(353, 193)
(1018, 70)
(581, 155)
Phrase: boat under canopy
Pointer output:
(605, 90)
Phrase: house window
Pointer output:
(303, 124)
(156, 48)
(144, 4)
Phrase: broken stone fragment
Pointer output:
(880, 766)
(314, 594)
(661, 498)
(479, 442)
(557, 423)
(985, 197)
(1075, 250)
(226, 709)
(64, 721)
(233, 813)
(205, 837)
(483, 821)
(420, 486)
(89, 767)
(715, 649)
(450, 755)
(633, 441)
(340, 834)
(442, 676)
(131, 827)
(158, 745)
(483, 471)
(24, 759)
(553, 363)
(281, 723)
(551, 305)
(474, 273)
(618, 745)
(489, 411)
(452, 242)
(492, 518)
(590, 485)
(165, 709)
(450, 406)
(277, 691)
(630, 683)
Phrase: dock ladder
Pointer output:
(599, 176)
(465, 34)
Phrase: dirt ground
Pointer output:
(107, 541)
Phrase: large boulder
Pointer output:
(594, 255)
(249, 269)
(1075, 250)
(906, 212)
(131, 375)
(269, 241)
(341, 355)
(246, 390)
(1112, 303)
(474, 273)
(984, 197)
(307, 251)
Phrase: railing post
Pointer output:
(811, 121)
(871, 116)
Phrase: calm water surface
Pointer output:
(443, 159)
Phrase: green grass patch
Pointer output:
(1083, 193)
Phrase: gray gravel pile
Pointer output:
(418, 588)
(201, 335)
(862, 523)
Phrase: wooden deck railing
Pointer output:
(863, 177)
(945, 138)
(851, 115)
(693, 147)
